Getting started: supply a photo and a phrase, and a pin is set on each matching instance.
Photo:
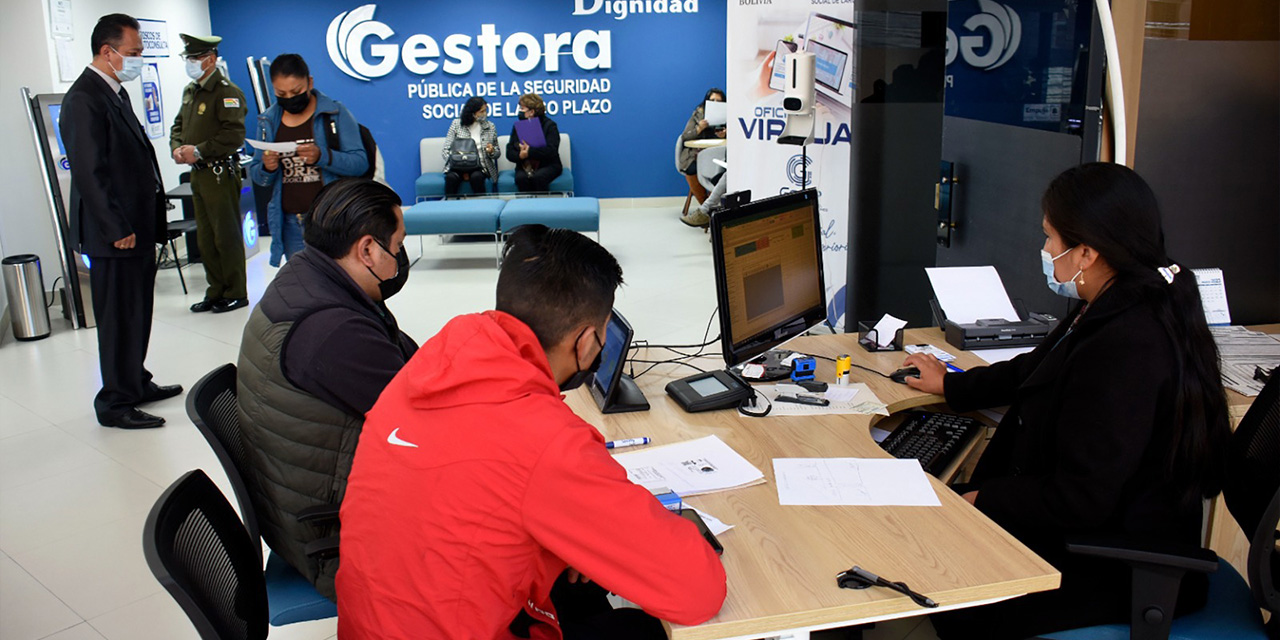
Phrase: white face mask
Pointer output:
(131, 67)
(195, 68)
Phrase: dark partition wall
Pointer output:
(896, 143)
(1209, 144)
(1011, 128)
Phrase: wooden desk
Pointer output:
(782, 561)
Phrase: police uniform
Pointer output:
(211, 119)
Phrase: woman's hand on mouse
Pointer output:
(931, 373)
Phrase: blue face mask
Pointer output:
(1067, 288)
(130, 67)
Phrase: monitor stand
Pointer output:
(626, 398)
(771, 360)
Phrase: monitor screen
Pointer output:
(614, 354)
(55, 110)
(769, 280)
(828, 65)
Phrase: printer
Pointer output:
(996, 333)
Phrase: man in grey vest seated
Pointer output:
(316, 353)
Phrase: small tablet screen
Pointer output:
(708, 386)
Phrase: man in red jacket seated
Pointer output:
(475, 487)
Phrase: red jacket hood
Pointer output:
(481, 358)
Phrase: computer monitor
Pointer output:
(613, 390)
(768, 261)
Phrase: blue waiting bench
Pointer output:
(494, 216)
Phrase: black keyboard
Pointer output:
(935, 439)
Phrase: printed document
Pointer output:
(968, 294)
(691, 467)
(869, 482)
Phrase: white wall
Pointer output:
(27, 58)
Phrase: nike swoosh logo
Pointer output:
(395, 439)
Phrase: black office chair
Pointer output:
(211, 405)
(175, 230)
(1252, 494)
(200, 551)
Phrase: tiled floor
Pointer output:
(73, 495)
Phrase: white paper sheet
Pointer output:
(716, 113)
(1213, 296)
(853, 482)
(968, 294)
(887, 329)
(690, 467)
(716, 525)
(862, 402)
(278, 147)
(993, 356)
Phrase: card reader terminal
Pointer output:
(709, 391)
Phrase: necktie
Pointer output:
(133, 121)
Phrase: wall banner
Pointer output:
(761, 35)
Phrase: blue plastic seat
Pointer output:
(290, 598)
(578, 214)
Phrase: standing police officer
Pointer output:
(207, 134)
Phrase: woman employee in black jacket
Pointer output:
(1117, 423)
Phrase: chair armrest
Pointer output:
(322, 548)
(1158, 554)
(322, 512)
(1157, 569)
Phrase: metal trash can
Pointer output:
(25, 285)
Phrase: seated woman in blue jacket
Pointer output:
(301, 114)
(1117, 425)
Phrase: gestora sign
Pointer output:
(421, 54)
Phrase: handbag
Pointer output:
(464, 156)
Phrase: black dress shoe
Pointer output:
(134, 419)
(204, 305)
(225, 305)
(159, 393)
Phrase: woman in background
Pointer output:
(698, 129)
(301, 114)
(473, 123)
(537, 166)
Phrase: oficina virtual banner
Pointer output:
(761, 35)
(620, 77)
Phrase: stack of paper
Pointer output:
(1241, 351)
(689, 468)
(875, 482)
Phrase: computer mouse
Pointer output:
(900, 376)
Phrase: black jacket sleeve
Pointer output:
(1111, 390)
(549, 154)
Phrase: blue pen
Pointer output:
(629, 442)
(953, 367)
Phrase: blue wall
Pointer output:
(662, 64)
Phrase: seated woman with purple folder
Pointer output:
(537, 157)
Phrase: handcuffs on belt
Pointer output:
(218, 166)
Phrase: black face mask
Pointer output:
(394, 284)
(578, 379)
(295, 104)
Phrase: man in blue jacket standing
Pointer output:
(313, 121)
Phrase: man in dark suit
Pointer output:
(117, 217)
